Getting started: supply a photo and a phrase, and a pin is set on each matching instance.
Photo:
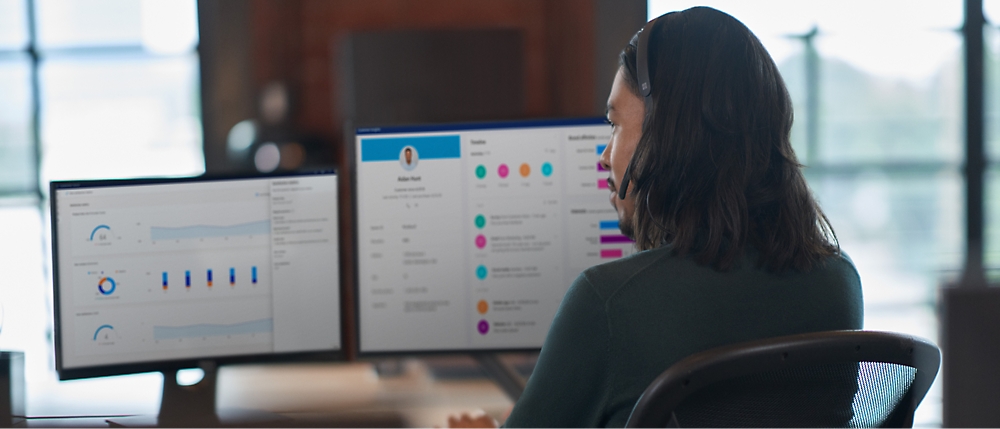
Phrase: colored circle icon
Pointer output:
(480, 241)
(480, 221)
(480, 172)
(482, 307)
(483, 327)
(106, 285)
(503, 171)
(482, 272)
(525, 170)
(546, 169)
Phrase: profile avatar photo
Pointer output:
(408, 158)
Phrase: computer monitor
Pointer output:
(160, 274)
(469, 235)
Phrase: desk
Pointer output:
(349, 394)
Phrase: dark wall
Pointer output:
(568, 56)
(226, 75)
(428, 76)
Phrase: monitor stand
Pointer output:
(505, 376)
(194, 406)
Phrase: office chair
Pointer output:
(821, 379)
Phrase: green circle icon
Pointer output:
(480, 221)
(481, 171)
(547, 169)
(482, 272)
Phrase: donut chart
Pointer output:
(106, 286)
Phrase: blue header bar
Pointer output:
(427, 147)
(482, 126)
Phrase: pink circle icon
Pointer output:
(480, 241)
(503, 171)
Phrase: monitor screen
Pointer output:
(469, 235)
(166, 271)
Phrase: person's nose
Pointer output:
(605, 159)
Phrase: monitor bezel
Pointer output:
(175, 364)
(352, 164)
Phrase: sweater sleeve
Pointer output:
(570, 382)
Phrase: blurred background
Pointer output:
(127, 88)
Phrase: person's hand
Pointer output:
(467, 421)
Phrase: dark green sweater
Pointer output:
(623, 323)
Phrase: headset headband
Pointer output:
(641, 43)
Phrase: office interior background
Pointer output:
(124, 88)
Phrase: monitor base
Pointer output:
(221, 419)
(194, 406)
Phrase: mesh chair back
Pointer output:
(826, 379)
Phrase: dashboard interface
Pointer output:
(469, 235)
(193, 269)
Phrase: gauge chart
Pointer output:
(105, 333)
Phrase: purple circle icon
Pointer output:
(480, 241)
(503, 171)
(483, 327)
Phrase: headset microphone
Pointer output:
(623, 187)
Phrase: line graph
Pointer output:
(158, 233)
(260, 326)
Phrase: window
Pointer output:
(991, 257)
(90, 89)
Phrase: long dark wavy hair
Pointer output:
(714, 174)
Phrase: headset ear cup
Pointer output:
(623, 187)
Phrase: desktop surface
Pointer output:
(469, 235)
(299, 394)
(167, 272)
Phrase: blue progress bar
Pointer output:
(609, 224)
(600, 148)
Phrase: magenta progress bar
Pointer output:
(606, 239)
(611, 253)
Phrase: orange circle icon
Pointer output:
(525, 170)
(483, 307)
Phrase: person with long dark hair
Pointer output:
(732, 245)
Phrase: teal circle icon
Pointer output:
(482, 272)
(481, 171)
(480, 221)
(546, 169)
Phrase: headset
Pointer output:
(641, 44)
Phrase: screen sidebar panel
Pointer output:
(470, 241)
(197, 269)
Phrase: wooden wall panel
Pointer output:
(298, 41)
